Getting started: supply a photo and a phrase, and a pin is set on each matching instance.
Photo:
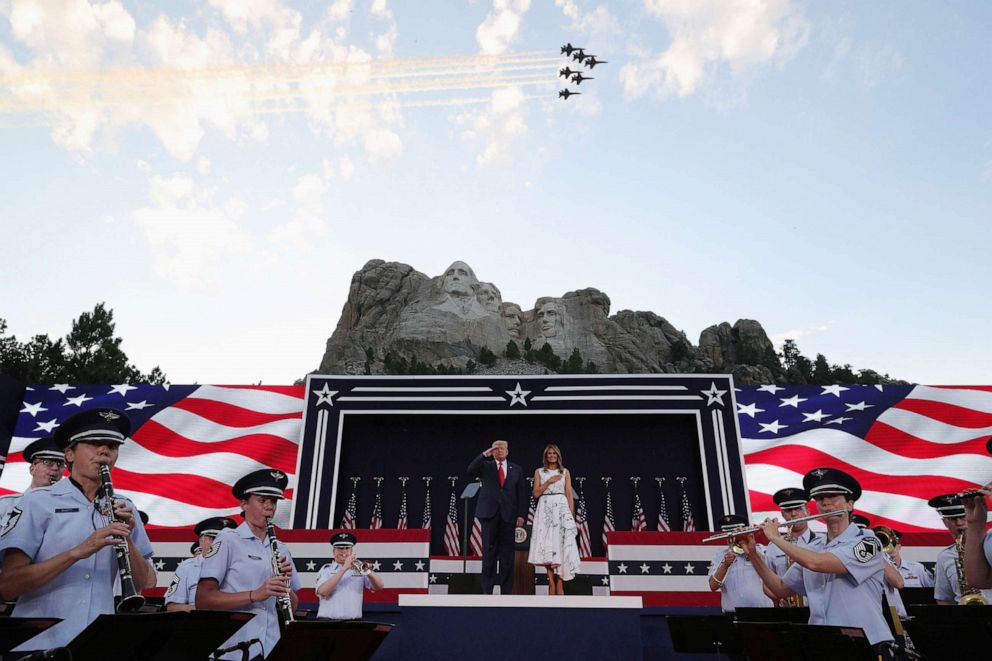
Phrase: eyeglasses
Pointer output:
(51, 463)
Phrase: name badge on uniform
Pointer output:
(64, 510)
(255, 557)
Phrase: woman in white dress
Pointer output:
(552, 542)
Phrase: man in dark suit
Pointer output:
(501, 508)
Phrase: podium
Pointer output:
(958, 632)
(329, 641)
(704, 634)
(173, 636)
(17, 630)
(809, 642)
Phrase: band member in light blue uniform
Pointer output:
(46, 465)
(181, 595)
(733, 575)
(340, 587)
(57, 545)
(237, 570)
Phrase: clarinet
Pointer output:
(284, 604)
(131, 600)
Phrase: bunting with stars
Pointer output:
(904, 444)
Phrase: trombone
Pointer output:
(786, 524)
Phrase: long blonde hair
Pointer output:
(561, 459)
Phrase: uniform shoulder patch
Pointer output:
(173, 586)
(867, 549)
(12, 519)
(214, 548)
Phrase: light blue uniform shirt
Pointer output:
(47, 522)
(240, 562)
(742, 587)
(892, 594)
(946, 586)
(851, 599)
(778, 561)
(915, 574)
(345, 603)
(182, 590)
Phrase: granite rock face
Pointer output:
(446, 320)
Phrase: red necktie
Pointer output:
(502, 475)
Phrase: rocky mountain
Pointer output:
(395, 312)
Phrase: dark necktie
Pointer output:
(502, 474)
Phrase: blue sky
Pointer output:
(217, 171)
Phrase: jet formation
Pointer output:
(578, 54)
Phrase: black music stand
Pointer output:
(793, 615)
(808, 642)
(917, 596)
(17, 630)
(705, 634)
(956, 632)
(157, 636)
(330, 641)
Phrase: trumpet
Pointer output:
(786, 524)
(361, 568)
(887, 536)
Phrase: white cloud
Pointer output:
(599, 24)
(499, 125)
(796, 333)
(502, 25)
(308, 218)
(711, 36)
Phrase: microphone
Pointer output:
(243, 647)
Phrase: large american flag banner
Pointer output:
(904, 444)
(190, 444)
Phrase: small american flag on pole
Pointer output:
(475, 538)
(532, 507)
(348, 521)
(452, 545)
(688, 525)
(402, 523)
(608, 525)
(427, 503)
(638, 521)
(376, 522)
(663, 525)
(582, 521)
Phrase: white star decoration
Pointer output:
(606, 580)
(667, 568)
(518, 395)
(33, 409)
(160, 564)
(47, 427)
(77, 401)
(62, 387)
(432, 578)
(814, 417)
(689, 568)
(645, 568)
(419, 565)
(772, 427)
(376, 565)
(770, 388)
(311, 565)
(834, 390)
(791, 401)
(622, 568)
(714, 396)
(838, 421)
(121, 389)
(398, 566)
(137, 406)
(325, 396)
(751, 410)
(860, 406)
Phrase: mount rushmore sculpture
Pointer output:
(448, 319)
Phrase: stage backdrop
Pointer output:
(905, 444)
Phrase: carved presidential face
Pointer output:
(489, 297)
(510, 313)
(458, 279)
(549, 319)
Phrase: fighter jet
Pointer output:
(591, 61)
(566, 72)
(565, 93)
(568, 48)
(577, 78)
(579, 55)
